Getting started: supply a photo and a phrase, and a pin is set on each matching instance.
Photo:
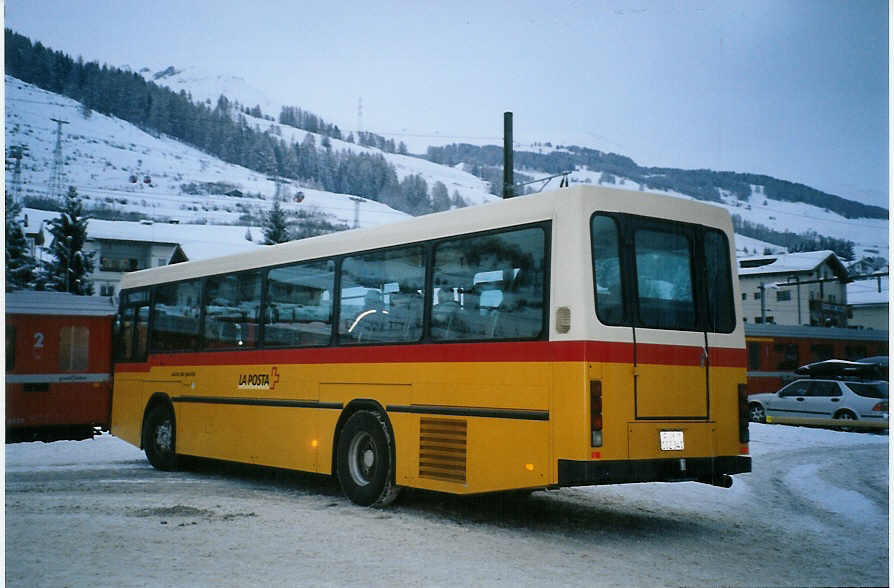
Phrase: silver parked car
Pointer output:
(808, 400)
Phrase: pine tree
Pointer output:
(69, 268)
(276, 228)
(440, 198)
(20, 265)
(457, 200)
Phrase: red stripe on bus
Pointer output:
(529, 351)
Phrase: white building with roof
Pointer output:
(807, 288)
(124, 246)
(868, 301)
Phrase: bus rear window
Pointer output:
(661, 274)
(719, 281)
(664, 280)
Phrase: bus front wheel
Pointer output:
(365, 466)
(159, 437)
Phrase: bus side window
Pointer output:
(299, 304)
(493, 284)
(125, 329)
(232, 310)
(607, 270)
(175, 316)
(388, 284)
(132, 326)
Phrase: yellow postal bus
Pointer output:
(583, 336)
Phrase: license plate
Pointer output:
(671, 440)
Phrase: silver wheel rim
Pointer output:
(362, 458)
(757, 414)
(164, 436)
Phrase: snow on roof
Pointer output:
(789, 262)
(867, 292)
(196, 241)
(57, 303)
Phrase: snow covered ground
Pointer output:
(813, 512)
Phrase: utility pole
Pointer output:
(357, 202)
(277, 181)
(508, 181)
(359, 118)
(17, 152)
(57, 176)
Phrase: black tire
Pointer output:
(757, 414)
(365, 463)
(848, 416)
(160, 437)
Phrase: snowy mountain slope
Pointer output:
(204, 87)
(776, 214)
(472, 189)
(116, 165)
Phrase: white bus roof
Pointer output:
(505, 213)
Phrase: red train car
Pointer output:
(775, 351)
(58, 365)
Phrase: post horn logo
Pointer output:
(259, 381)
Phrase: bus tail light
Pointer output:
(743, 413)
(595, 413)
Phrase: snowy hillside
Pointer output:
(779, 215)
(208, 88)
(116, 165)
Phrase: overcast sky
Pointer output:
(793, 89)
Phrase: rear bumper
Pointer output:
(586, 473)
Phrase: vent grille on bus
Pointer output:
(442, 449)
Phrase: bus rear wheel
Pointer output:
(365, 465)
(159, 437)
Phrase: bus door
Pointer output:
(671, 354)
(671, 284)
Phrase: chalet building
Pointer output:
(808, 288)
(125, 246)
(122, 247)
